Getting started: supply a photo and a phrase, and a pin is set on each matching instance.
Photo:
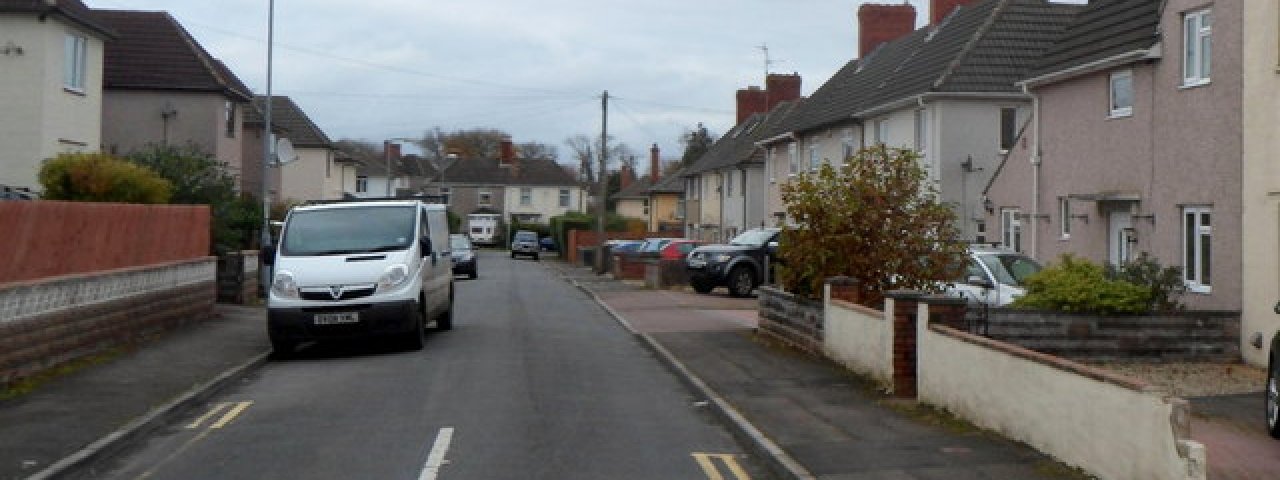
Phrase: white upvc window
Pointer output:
(564, 198)
(1197, 47)
(1197, 236)
(444, 194)
(922, 131)
(1011, 228)
(526, 196)
(362, 184)
(882, 131)
(1064, 216)
(794, 158)
(813, 158)
(75, 49)
(1008, 128)
(1121, 94)
(728, 184)
(485, 198)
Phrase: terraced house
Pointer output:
(1154, 130)
(50, 85)
(946, 90)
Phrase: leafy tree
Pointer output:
(876, 219)
(198, 178)
(696, 144)
(585, 153)
(98, 177)
(537, 150)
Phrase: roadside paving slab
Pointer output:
(62, 417)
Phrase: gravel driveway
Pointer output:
(1196, 379)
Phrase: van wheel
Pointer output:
(445, 321)
(1273, 400)
(741, 281)
(417, 338)
(701, 285)
(282, 349)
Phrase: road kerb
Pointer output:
(151, 420)
(777, 459)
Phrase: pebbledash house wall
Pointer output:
(109, 275)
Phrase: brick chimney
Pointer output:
(655, 164)
(939, 9)
(781, 87)
(751, 100)
(625, 177)
(507, 152)
(878, 24)
(391, 151)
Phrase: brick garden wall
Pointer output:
(48, 322)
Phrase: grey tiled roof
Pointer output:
(153, 52)
(739, 144)
(73, 10)
(639, 188)
(488, 171)
(982, 48)
(672, 183)
(1103, 29)
(298, 127)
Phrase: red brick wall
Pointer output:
(588, 238)
(48, 238)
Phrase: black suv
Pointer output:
(525, 242)
(740, 265)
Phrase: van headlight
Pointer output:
(394, 277)
(283, 285)
(721, 258)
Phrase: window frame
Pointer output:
(1064, 215)
(565, 198)
(526, 196)
(813, 158)
(1008, 128)
(362, 184)
(1011, 228)
(484, 198)
(75, 49)
(229, 108)
(1197, 250)
(1115, 110)
(922, 131)
(793, 152)
(882, 131)
(1197, 47)
(728, 184)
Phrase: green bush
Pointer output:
(1076, 285)
(1165, 283)
(877, 219)
(97, 177)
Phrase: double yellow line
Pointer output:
(708, 462)
(233, 410)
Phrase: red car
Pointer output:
(678, 249)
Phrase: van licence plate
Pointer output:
(336, 318)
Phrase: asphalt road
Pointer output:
(535, 382)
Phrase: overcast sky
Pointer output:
(378, 69)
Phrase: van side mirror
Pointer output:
(425, 244)
(267, 255)
(772, 246)
(979, 281)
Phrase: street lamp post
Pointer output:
(265, 238)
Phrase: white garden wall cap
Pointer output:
(904, 294)
(1060, 363)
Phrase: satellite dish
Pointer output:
(284, 152)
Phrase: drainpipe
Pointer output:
(1035, 170)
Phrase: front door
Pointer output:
(1120, 237)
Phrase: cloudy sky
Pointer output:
(378, 69)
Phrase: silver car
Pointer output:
(525, 242)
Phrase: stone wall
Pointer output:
(791, 319)
(1174, 337)
(52, 321)
(238, 277)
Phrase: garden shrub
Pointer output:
(1075, 285)
(97, 177)
(1165, 283)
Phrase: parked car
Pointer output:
(655, 244)
(15, 195)
(741, 265)
(548, 244)
(623, 246)
(993, 276)
(524, 242)
(464, 255)
(678, 249)
(1273, 385)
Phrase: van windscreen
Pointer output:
(343, 231)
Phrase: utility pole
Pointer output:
(265, 238)
(601, 184)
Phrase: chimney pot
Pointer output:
(655, 164)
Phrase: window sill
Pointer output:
(1119, 114)
(79, 92)
(1189, 86)
(1200, 289)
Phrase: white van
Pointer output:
(483, 228)
(360, 269)
(994, 276)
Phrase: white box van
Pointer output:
(360, 269)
